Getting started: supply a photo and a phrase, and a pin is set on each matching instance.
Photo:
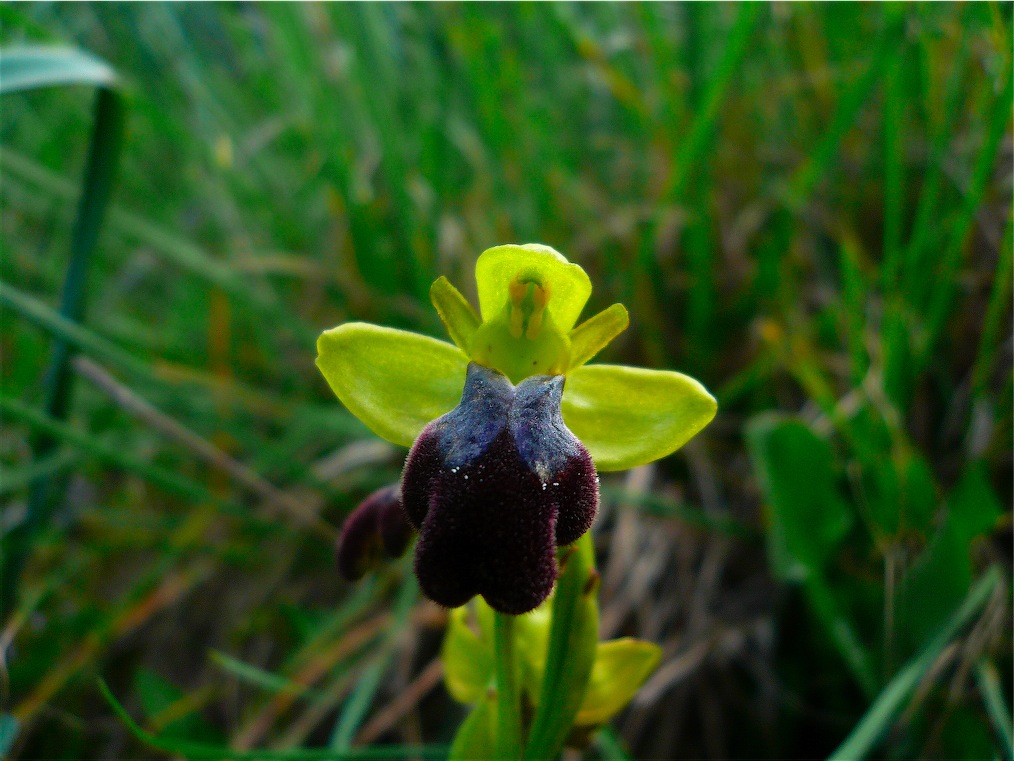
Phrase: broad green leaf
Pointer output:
(629, 416)
(621, 667)
(899, 493)
(918, 494)
(942, 574)
(394, 381)
(595, 333)
(456, 313)
(468, 652)
(467, 657)
(609, 745)
(475, 737)
(808, 517)
(973, 505)
(807, 520)
(568, 285)
(31, 67)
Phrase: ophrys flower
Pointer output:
(506, 424)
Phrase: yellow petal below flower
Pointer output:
(621, 667)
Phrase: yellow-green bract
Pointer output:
(620, 666)
(530, 298)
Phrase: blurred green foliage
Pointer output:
(807, 207)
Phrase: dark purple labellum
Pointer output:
(494, 486)
(377, 527)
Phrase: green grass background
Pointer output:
(807, 207)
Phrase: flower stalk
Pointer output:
(509, 741)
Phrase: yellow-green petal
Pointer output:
(629, 416)
(568, 285)
(394, 381)
(621, 667)
(595, 333)
(456, 313)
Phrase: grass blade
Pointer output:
(60, 430)
(43, 67)
(696, 141)
(891, 700)
(944, 281)
(31, 67)
(817, 163)
(70, 332)
(610, 745)
(178, 251)
(999, 712)
(206, 751)
(894, 169)
(259, 677)
(359, 701)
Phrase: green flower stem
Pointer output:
(508, 705)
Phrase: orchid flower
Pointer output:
(508, 425)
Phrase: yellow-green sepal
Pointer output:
(467, 650)
(629, 416)
(568, 285)
(392, 380)
(455, 312)
(595, 333)
(621, 667)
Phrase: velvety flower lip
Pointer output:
(376, 528)
(494, 486)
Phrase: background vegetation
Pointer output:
(808, 207)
